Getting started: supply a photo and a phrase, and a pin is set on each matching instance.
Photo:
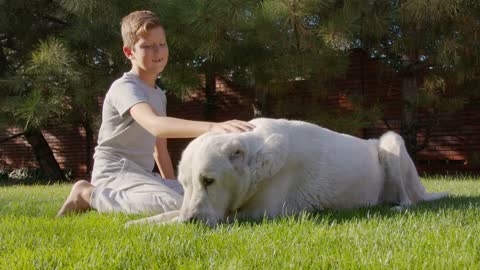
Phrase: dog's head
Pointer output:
(220, 172)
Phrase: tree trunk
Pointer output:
(44, 155)
(89, 141)
(409, 121)
(3, 62)
(259, 102)
(210, 95)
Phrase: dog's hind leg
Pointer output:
(402, 183)
(413, 185)
(394, 159)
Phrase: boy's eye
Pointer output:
(161, 45)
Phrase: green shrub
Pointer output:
(26, 176)
(4, 172)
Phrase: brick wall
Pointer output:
(454, 142)
(454, 139)
(66, 141)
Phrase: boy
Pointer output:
(133, 126)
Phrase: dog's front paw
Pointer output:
(130, 223)
(165, 218)
(399, 209)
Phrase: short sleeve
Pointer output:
(125, 95)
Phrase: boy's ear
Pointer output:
(128, 52)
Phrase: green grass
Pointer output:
(437, 235)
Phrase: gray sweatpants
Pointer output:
(125, 187)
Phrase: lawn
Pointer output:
(437, 235)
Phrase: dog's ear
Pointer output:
(235, 151)
(237, 158)
(270, 156)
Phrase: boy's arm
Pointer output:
(170, 127)
(163, 160)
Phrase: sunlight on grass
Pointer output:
(435, 235)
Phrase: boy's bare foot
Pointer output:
(79, 199)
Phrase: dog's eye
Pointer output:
(206, 181)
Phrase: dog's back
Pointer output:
(326, 169)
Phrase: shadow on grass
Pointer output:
(383, 211)
(451, 203)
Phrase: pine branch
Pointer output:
(3, 62)
(12, 137)
(428, 132)
(385, 121)
(56, 20)
(425, 142)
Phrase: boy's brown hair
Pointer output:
(136, 24)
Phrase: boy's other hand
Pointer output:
(231, 126)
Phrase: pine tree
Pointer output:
(205, 38)
(29, 99)
(59, 56)
(255, 44)
(305, 43)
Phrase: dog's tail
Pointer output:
(402, 183)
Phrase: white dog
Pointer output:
(283, 167)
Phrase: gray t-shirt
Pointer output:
(120, 136)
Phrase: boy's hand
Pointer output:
(231, 126)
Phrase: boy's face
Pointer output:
(150, 52)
